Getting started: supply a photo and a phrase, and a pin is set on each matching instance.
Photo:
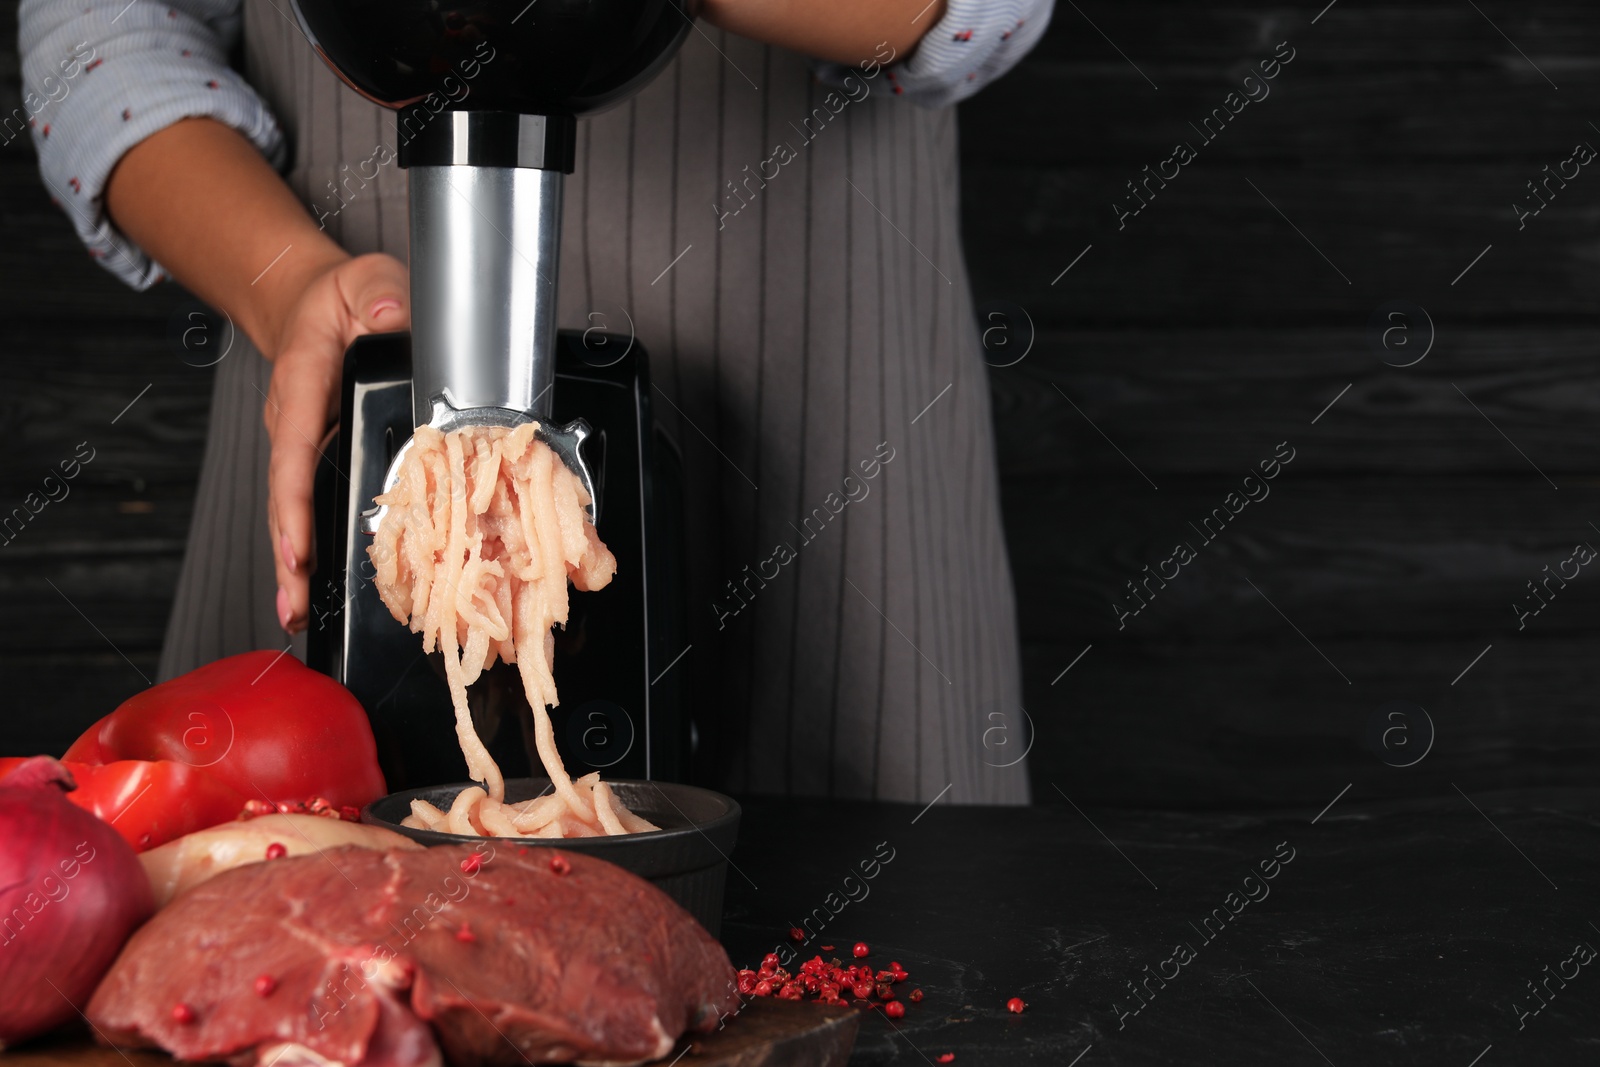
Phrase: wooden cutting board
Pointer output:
(767, 1033)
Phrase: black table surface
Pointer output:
(1411, 932)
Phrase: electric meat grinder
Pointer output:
(485, 169)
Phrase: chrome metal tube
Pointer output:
(484, 242)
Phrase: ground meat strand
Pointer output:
(484, 529)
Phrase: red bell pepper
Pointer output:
(149, 802)
(261, 723)
(189, 752)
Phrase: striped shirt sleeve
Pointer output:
(976, 42)
(99, 76)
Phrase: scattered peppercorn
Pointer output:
(946, 1057)
(1015, 1005)
(894, 1009)
(265, 985)
(827, 981)
(276, 851)
(182, 1014)
(465, 934)
(916, 996)
(559, 863)
(796, 934)
(472, 864)
(827, 948)
(860, 950)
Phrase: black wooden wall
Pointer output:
(1167, 355)
(1224, 318)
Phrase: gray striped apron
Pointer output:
(792, 262)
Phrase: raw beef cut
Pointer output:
(493, 954)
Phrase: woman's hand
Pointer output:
(358, 296)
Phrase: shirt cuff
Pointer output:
(976, 42)
(105, 96)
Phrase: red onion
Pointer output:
(71, 891)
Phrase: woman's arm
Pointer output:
(198, 197)
(843, 31)
(160, 154)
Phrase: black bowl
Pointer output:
(550, 57)
(687, 858)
